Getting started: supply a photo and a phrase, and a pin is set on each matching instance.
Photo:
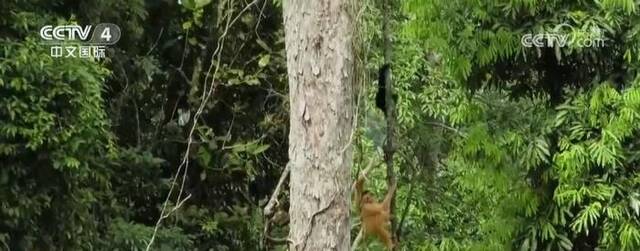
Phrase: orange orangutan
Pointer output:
(375, 215)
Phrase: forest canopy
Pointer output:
(508, 125)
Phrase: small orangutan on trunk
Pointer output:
(375, 215)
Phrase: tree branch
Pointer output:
(357, 240)
(405, 211)
(363, 174)
(273, 201)
(445, 127)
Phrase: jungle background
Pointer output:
(502, 147)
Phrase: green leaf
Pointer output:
(264, 60)
(263, 45)
(187, 25)
(253, 81)
(204, 156)
(202, 3)
(189, 4)
(634, 204)
(260, 149)
(195, 4)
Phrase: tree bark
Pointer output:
(320, 66)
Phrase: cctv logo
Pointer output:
(103, 33)
(85, 44)
(544, 40)
(65, 32)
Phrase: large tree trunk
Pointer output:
(320, 66)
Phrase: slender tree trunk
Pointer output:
(390, 147)
(320, 64)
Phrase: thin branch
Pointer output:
(206, 95)
(273, 201)
(363, 174)
(182, 74)
(227, 136)
(408, 201)
(260, 15)
(138, 130)
(278, 241)
(357, 240)
(156, 42)
(405, 210)
(445, 127)
(266, 236)
(354, 127)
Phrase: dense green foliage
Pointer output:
(53, 125)
(88, 148)
(547, 156)
(501, 146)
